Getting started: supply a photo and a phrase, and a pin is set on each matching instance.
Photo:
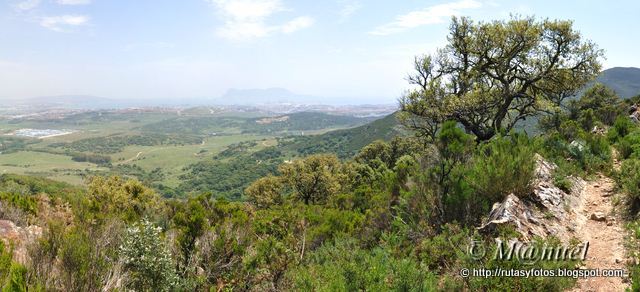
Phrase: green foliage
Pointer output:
(478, 78)
(598, 103)
(26, 203)
(345, 143)
(265, 192)
(629, 145)
(621, 128)
(344, 266)
(127, 199)
(296, 122)
(503, 166)
(5, 261)
(230, 178)
(445, 250)
(80, 268)
(314, 179)
(16, 281)
(13, 144)
(116, 143)
(520, 283)
(398, 216)
(31, 185)
(89, 157)
(146, 259)
(453, 149)
(585, 151)
(192, 223)
(629, 179)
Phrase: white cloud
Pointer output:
(430, 15)
(247, 19)
(73, 2)
(349, 9)
(27, 5)
(297, 24)
(63, 22)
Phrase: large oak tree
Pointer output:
(491, 75)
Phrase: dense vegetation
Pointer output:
(116, 143)
(233, 169)
(12, 144)
(296, 123)
(228, 178)
(292, 123)
(398, 215)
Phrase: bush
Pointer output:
(344, 266)
(629, 179)
(146, 259)
(504, 165)
(621, 128)
(16, 281)
(598, 154)
(629, 145)
(586, 152)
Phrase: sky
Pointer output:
(198, 49)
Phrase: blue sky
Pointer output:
(186, 49)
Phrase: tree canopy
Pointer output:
(491, 75)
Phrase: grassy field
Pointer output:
(54, 166)
(172, 159)
(147, 143)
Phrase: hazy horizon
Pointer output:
(345, 50)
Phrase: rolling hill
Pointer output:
(346, 143)
(624, 80)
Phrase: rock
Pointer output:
(596, 186)
(579, 145)
(598, 216)
(598, 130)
(609, 223)
(538, 214)
(20, 237)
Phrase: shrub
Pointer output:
(146, 259)
(598, 154)
(621, 128)
(629, 179)
(17, 279)
(344, 266)
(629, 145)
(504, 165)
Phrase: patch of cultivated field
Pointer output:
(53, 166)
(172, 159)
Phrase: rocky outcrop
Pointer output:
(634, 113)
(18, 238)
(548, 210)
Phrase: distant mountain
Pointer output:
(264, 96)
(625, 81)
(72, 101)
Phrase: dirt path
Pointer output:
(604, 231)
(132, 158)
